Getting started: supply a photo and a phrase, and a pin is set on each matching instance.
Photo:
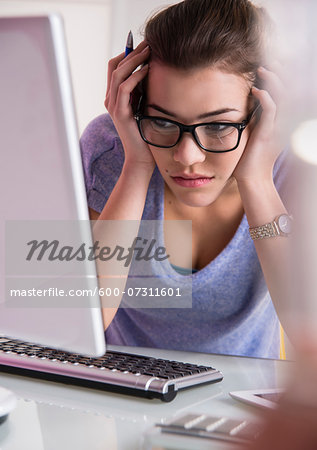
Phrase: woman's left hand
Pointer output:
(264, 142)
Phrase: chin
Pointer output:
(198, 200)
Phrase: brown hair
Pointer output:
(230, 34)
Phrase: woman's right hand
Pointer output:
(122, 79)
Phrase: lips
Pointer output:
(191, 180)
(190, 176)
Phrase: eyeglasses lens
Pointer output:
(160, 132)
(217, 137)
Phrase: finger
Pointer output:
(273, 83)
(124, 72)
(125, 89)
(266, 123)
(135, 59)
(112, 65)
(137, 50)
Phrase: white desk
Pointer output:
(52, 416)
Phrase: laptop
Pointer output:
(42, 177)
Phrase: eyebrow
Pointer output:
(201, 116)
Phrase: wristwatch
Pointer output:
(281, 226)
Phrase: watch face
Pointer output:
(284, 224)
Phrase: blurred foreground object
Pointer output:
(293, 425)
(303, 308)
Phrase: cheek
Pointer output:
(238, 152)
(224, 167)
(225, 163)
(162, 158)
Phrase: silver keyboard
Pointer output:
(124, 373)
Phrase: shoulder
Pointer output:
(281, 175)
(102, 157)
(101, 145)
(100, 136)
(100, 127)
(282, 169)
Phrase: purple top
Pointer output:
(231, 313)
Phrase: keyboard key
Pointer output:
(249, 431)
(226, 426)
(184, 421)
(208, 423)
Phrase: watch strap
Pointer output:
(267, 230)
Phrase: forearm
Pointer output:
(126, 203)
(262, 204)
(127, 199)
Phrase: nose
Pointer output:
(187, 151)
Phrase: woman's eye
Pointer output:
(161, 124)
(215, 128)
(218, 129)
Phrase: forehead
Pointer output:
(198, 90)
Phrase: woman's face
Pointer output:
(193, 176)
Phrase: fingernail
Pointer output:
(255, 89)
(145, 67)
(263, 69)
(145, 49)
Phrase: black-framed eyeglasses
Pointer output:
(215, 137)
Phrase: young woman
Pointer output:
(197, 149)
